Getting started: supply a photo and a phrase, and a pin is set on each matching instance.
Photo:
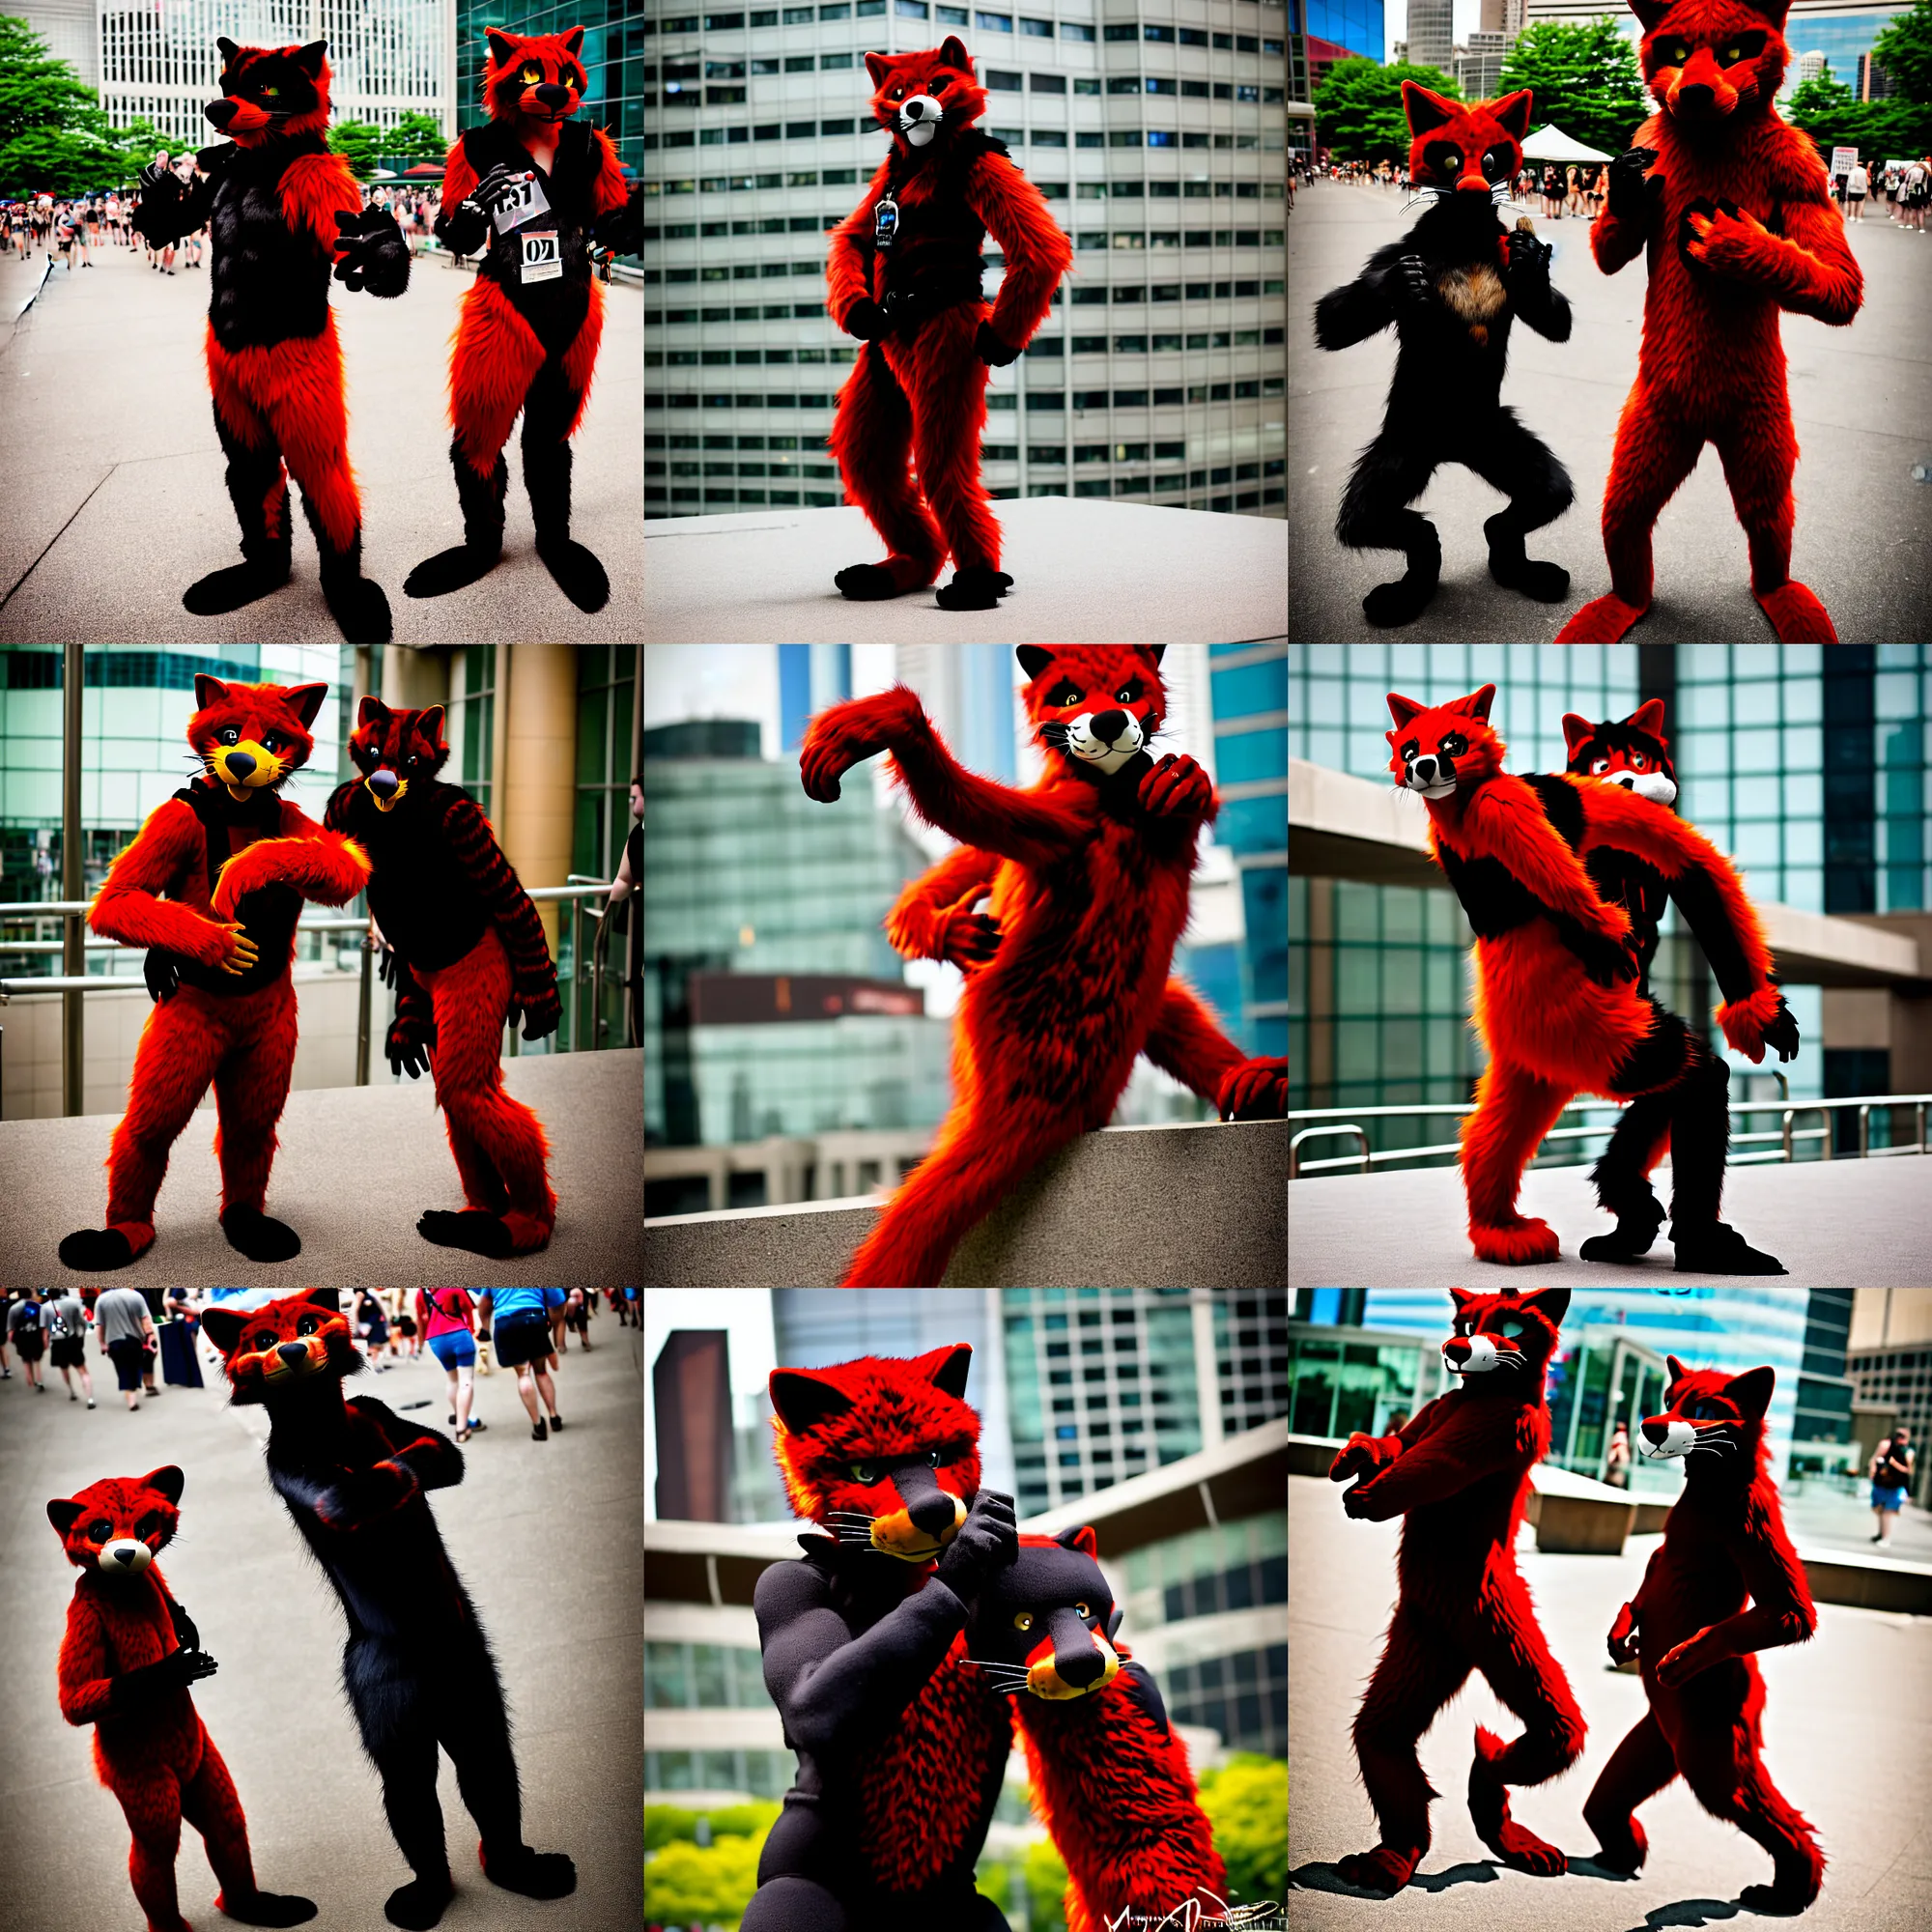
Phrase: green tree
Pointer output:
(1834, 116)
(52, 133)
(1358, 112)
(1245, 1801)
(362, 143)
(1585, 79)
(1904, 50)
(711, 1885)
(416, 137)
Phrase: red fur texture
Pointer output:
(1741, 227)
(155, 1756)
(1458, 1472)
(916, 399)
(1088, 882)
(1724, 1541)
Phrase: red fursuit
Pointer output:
(1737, 220)
(1459, 1471)
(1067, 974)
(1687, 1627)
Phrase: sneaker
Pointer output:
(539, 1433)
(452, 1418)
(71, 1397)
(557, 1424)
(90, 1402)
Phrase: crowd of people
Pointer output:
(1902, 188)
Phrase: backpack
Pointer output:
(30, 1315)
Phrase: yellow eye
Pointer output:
(1733, 54)
(270, 93)
(1024, 1621)
(530, 75)
(1080, 1611)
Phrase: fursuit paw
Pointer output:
(534, 1874)
(576, 570)
(1175, 787)
(870, 583)
(223, 590)
(1254, 1090)
(1621, 1851)
(1720, 1249)
(472, 1230)
(974, 589)
(360, 609)
(1361, 1455)
(1631, 1239)
(362, 1495)
(844, 735)
(967, 939)
(1545, 582)
(260, 1237)
(1383, 1870)
(1603, 620)
(1785, 1899)
(1724, 239)
(267, 1908)
(419, 1904)
(97, 1250)
(1402, 602)
(1488, 1807)
(1515, 1243)
(451, 570)
(1797, 615)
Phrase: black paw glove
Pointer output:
(464, 228)
(161, 969)
(496, 187)
(1633, 193)
(408, 1044)
(1529, 258)
(539, 1009)
(370, 252)
(136, 1688)
(1609, 962)
(1783, 1033)
(186, 1633)
(212, 160)
(1408, 282)
(987, 1540)
(868, 321)
(991, 350)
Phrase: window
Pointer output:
(1082, 297)
(800, 63)
(766, 130)
(1073, 30)
(999, 80)
(797, 17)
(1193, 37)
(1271, 94)
(724, 69)
(1272, 48)
(994, 23)
(1048, 83)
(769, 18)
(1194, 140)
(829, 61)
(1225, 42)
(1130, 241)
(837, 126)
(1156, 85)
(1157, 33)
(1122, 137)
(1089, 399)
(1040, 29)
(1246, 44)
(721, 24)
(951, 16)
(1248, 93)
(1040, 453)
(1124, 84)
(914, 10)
(835, 12)
(1124, 33)
(1050, 137)
(1090, 345)
(1085, 84)
(764, 67)
(1129, 295)
(1165, 292)
(1161, 342)
(1130, 345)
(1194, 90)
(870, 7)
(1084, 140)
(1044, 345)
(1160, 137)
(724, 97)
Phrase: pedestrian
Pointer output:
(612, 930)
(448, 1317)
(1918, 189)
(372, 1324)
(64, 226)
(407, 1326)
(1890, 1479)
(123, 1327)
(27, 1327)
(518, 1322)
(5, 1373)
(1573, 183)
(67, 1351)
(1617, 1462)
(1857, 183)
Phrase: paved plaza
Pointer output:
(1845, 1728)
(545, 1538)
(111, 492)
(1861, 398)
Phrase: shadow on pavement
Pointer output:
(1687, 1911)
(1328, 1878)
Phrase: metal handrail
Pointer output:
(1340, 1160)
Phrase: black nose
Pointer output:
(1696, 95)
(1080, 1670)
(239, 763)
(1107, 726)
(1656, 1431)
(1425, 769)
(1457, 1350)
(383, 784)
(551, 95)
(291, 1351)
(932, 1513)
(220, 112)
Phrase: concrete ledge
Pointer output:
(1191, 1205)
(1869, 1582)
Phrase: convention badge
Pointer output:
(523, 201)
(885, 222)
(542, 261)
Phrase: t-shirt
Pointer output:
(1894, 1473)
(71, 1314)
(445, 1311)
(517, 1303)
(1858, 182)
(24, 1315)
(120, 1316)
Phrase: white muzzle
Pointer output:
(920, 119)
(1679, 1438)
(1481, 1359)
(1653, 785)
(1097, 752)
(124, 1556)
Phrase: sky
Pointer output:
(745, 1313)
(737, 681)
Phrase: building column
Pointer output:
(414, 680)
(1206, 1372)
(537, 815)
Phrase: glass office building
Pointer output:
(613, 59)
(1249, 684)
(1354, 25)
(1158, 141)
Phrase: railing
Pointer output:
(1348, 1120)
(579, 890)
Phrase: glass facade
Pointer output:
(614, 60)
(1354, 25)
(1900, 1378)
(1342, 1379)
(1843, 39)
(1251, 1359)
(1825, 1391)
(1249, 686)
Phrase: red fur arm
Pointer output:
(326, 867)
(609, 189)
(1781, 1610)
(848, 266)
(315, 187)
(1111, 1784)
(86, 1689)
(478, 855)
(1809, 269)
(1036, 248)
(1505, 820)
(918, 923)
(458, 176)
(1425, 1473)
(162, 859)
(1185, 1043)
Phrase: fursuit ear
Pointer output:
(1652, 13)
(227, 48)
(1476, 704)
(207, 690)
(64, 1513)
(1034, 659)
(1155, 652)
(1114, 1617)
(371, 711)
(1648, 718)
(502, 48)
(1552, 1303)
(946, 1368)
(1677, 1369)
(1575, 732)
(953, 53)
(1462, 1296)
(1513, 111)
(328, 1299)
(1403, 709)
(167, 1480)
(223, 1326)
(573, 42)
(801, 1400)
(878, 66)
(1081, 1540)
(1424, 110)
(310, 58)
(429, 727)
(1751, 1391)
(305, 700)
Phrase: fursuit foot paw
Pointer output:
(534, 1874)
(974, 588)
(874, 583)
(1631, 1237)
(1516, 1242)
(1622, 1850)
(1720, 1249)
(1603, 620)
(1402, 602)
(1488, 1807)
(577, 572)
(223, 590)
(361, 608)
(260, 1237)
(1780, 1900)
(1545, 582)
(1385, 1870)
(451, 570)
(472, 1230)
(95, 1250)
(1524, 1851)
(419, 1904)
(1797, 615)
(267, 1908)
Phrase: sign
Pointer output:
(1843, 161)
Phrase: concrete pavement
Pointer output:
(1846, 1725)
(113, 501)
(357, 1166)
(546, 1539)
(1861, 398)
(1836, 1223)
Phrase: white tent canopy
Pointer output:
(1549, 143)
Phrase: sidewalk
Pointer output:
(545, 1537)
(1845, 1722)
(114, 501)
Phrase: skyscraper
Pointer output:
(613, 58)
(1250, 699)
(1159, 374)
(810, 677)
(691, 1400)
(1432, 34)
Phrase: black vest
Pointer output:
(934, 260)
(428, 910)
(268, 282)
(554, 309)
(267, 915)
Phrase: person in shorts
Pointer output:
(67, 1343)
(519, 1319)
(1890, 1479)
(124, 1329)
(448, 1319)
(26, 1328)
